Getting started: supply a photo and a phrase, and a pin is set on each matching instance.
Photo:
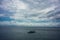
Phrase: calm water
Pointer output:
(9, 33)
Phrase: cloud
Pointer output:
(30, 12)
(40, 15)
(49, 24)
(2, 15)
(13, 5)
(56, 16)
(45, 10)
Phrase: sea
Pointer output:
(21, 33)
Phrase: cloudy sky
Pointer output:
(30, 12)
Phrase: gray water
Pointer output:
(18, 33)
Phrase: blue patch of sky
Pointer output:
(7, 15)
(2, 11)
(5, 19)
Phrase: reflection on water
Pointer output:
(22, 33)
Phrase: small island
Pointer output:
(31, 32)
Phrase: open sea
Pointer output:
(21, 33)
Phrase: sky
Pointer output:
(30, 12)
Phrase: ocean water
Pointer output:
(21, 33)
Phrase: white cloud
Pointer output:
(44, 11)
(41, 14)
(17, 16)
(13, 5)
(28, 23)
